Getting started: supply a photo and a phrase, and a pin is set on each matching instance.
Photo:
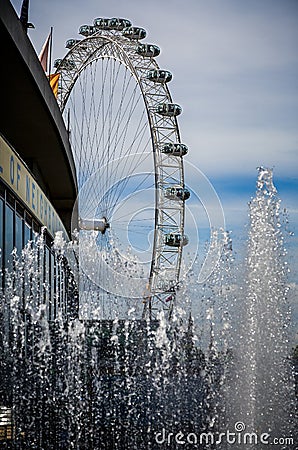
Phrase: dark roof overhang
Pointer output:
(30, 118)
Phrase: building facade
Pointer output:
(37, 195)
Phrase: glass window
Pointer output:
(51, 281)
(1, 224)
(19, 234)
(27, 234)
(19, 224)
(60, 285)
(1, 238)
(47, 279)
(52, 292)
(8, 260)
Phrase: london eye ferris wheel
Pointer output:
(129, 160)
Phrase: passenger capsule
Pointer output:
(102, 23)
(87, 30)
(119, 24)
(174, 149)
(57, 62)
(176, 240)
(159, 76)
(168, 286)
(177, 193)
(64, 64)
(71, 43)
(148, 50)
(169, 109)
(134, 33)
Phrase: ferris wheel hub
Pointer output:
(94, 224)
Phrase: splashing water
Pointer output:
(125, 383)
(260, 390)
(93, 384)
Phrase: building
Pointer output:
(37, 189)
(37, 172)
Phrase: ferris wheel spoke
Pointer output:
(96, 108)
(125, 170)
(104, 77)
(145, 205)
(134, 165)
(131, 105)
(119, 114)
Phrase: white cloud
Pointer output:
(240, 151)
(235, 67)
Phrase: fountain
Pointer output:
(259, 391)
(219, 369)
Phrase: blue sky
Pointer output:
(235, 73)
(235, 67)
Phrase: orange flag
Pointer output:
(54, 80)
(43, 56)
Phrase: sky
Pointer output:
(235, 74)
(235, 69)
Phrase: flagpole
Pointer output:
(51, 44)
(24, 14)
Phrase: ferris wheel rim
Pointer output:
(128, 57)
